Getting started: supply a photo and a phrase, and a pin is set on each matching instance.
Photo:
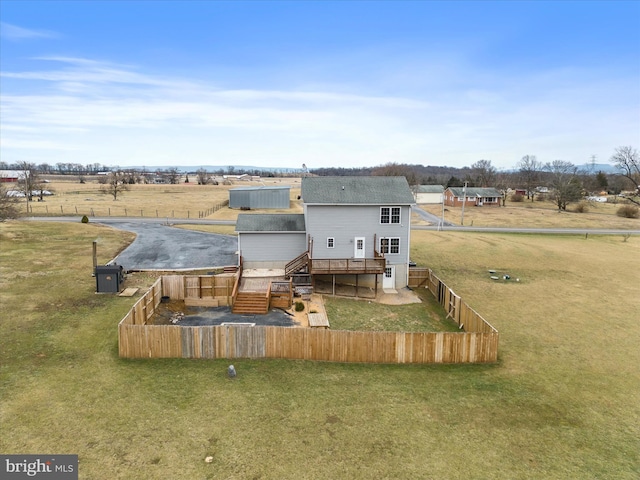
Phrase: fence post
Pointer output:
(141, 213)
(61, 210)
(125, 212)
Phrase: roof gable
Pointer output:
(356, 191)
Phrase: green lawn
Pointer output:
(562, 403)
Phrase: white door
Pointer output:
(359, 247)
(389, 279)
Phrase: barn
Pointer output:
(11, 176)
(248, 198)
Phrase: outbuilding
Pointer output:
(248, 198)
(429, 194)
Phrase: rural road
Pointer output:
(159, 246)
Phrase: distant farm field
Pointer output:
(184, 200)
(563, 402)
(534, 215)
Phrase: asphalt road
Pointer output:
(159, 246)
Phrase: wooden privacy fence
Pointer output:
(478, 343)
(461, 313)
(172, 341)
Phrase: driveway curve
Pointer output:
(162, 247)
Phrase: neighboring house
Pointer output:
(478, 197)
(429, 194)
(353, 228)
(259, 197)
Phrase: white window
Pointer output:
(389, 214)
(331, 242)
(390, 245)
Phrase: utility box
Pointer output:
(109, 278)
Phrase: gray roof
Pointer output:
(430, 189)
(357, 190)
(270, 222)
(262, 187)
(476, 192)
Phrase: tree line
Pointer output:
(564, 181)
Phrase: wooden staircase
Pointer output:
(300, 264)
(255, 303)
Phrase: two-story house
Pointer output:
(355, 229)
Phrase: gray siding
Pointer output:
(345, 222)
(270, 247)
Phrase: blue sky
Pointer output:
(279, 84)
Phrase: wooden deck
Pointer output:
(342, 266)
(256, 284)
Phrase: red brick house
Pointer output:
(477, 197)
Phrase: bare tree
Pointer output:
(116, 184)
(29, 181)
(397, 170)
(8, 205)
(203, 176)
(173, 175)
(564, 182)
(530, 169)
(483, 172)
(626, 159)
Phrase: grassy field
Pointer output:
(184, 200)
(192, 201)
(534, 214)
(563, 402)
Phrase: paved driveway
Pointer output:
(160, 247)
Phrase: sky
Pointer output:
(326, 84)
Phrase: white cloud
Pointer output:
(16, 33)
(103, 112)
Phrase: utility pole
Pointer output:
(464, 200)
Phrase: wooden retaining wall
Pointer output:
(478, 343)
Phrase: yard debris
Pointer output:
(231, 371)
(176, 317)
(209, 459)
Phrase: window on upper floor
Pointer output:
(331, 242)
(389, 214)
